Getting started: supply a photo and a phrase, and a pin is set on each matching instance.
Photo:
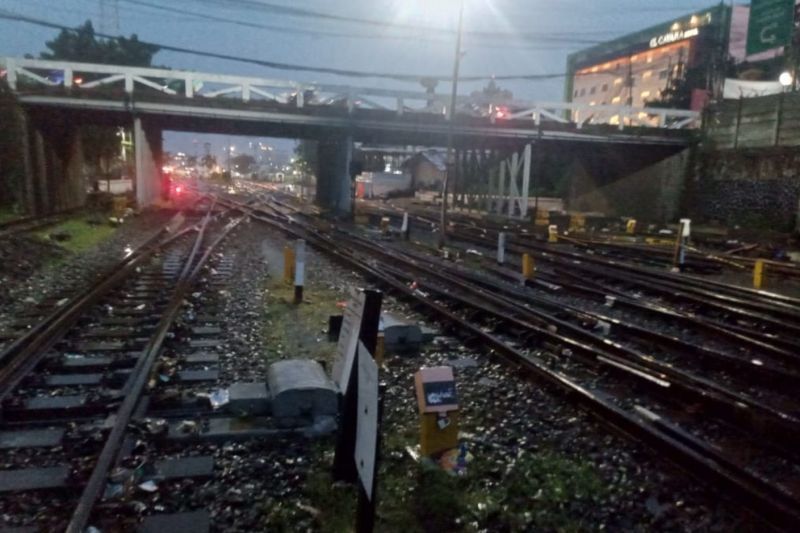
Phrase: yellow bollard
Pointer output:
(385, 221)
(631, 228)
(288, 264)
(527, 266)
(758, 274)
(552, 234)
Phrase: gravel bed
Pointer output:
(54, 273)
(537, 463)
(511, 418)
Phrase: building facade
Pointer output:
(635, 70)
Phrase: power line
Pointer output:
(413, 78)
(296, 12)
(324, 33)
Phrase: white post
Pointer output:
(526, 182)
(404, 227)
(501, 248)
(401, 104)
(299, 270)
(189, 87)
(513, 188)
(245, 92)
(300, 97)
(501, 188)
(128, 83)
(11, 74)
(68, 77)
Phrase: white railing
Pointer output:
(194, 85)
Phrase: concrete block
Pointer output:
(248, 399)
(195, 521)
(399, 335)
(33, 479)
(31, 438)
(301, 393)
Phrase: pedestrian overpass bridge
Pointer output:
(59, 97)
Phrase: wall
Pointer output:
(651, 194)
(752, 188)
(427, 176)
(763, 122)
(748, 173)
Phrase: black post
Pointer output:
(365, 517)
(344, 465)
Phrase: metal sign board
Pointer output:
(771, 25)
(348, 341)
(367, 421)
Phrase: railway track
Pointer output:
(29, 224)
(86, 389)
(725, 414)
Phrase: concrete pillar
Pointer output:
(334, 184)
(53, 160)
(39, 178)
(147, 148)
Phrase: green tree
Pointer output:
(307, 158)
(12, 169)
(83, 45)
(243, 163)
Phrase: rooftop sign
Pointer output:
(673, 37)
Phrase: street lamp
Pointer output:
(450, 127)
(786, 79)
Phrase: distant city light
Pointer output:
(786, 79)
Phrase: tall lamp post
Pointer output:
(451, 163)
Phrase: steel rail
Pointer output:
(763, 369)
(698, 459)
(729, 404)
(579, 263)
(136, 382)
(23, 354)
(664, 281)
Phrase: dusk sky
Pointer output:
(529, 36)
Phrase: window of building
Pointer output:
(645, 94)
(616, 100)
(647, 74)
(618, 81)
(605, 87)
(664, 74)
(592, 103)
(635, 58)
(650, 58)
(593, 90)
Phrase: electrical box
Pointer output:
(438, 409)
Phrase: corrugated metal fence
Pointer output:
(767, 121)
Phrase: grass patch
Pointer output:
(8, 213)
(83, 235)
(299, 331)
(542, 492)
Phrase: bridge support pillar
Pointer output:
(54, 173)
(334, 183)
(148, 147)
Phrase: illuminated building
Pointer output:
(634, 70)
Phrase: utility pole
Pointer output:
(451, 163)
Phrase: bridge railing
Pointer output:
(24, 73)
